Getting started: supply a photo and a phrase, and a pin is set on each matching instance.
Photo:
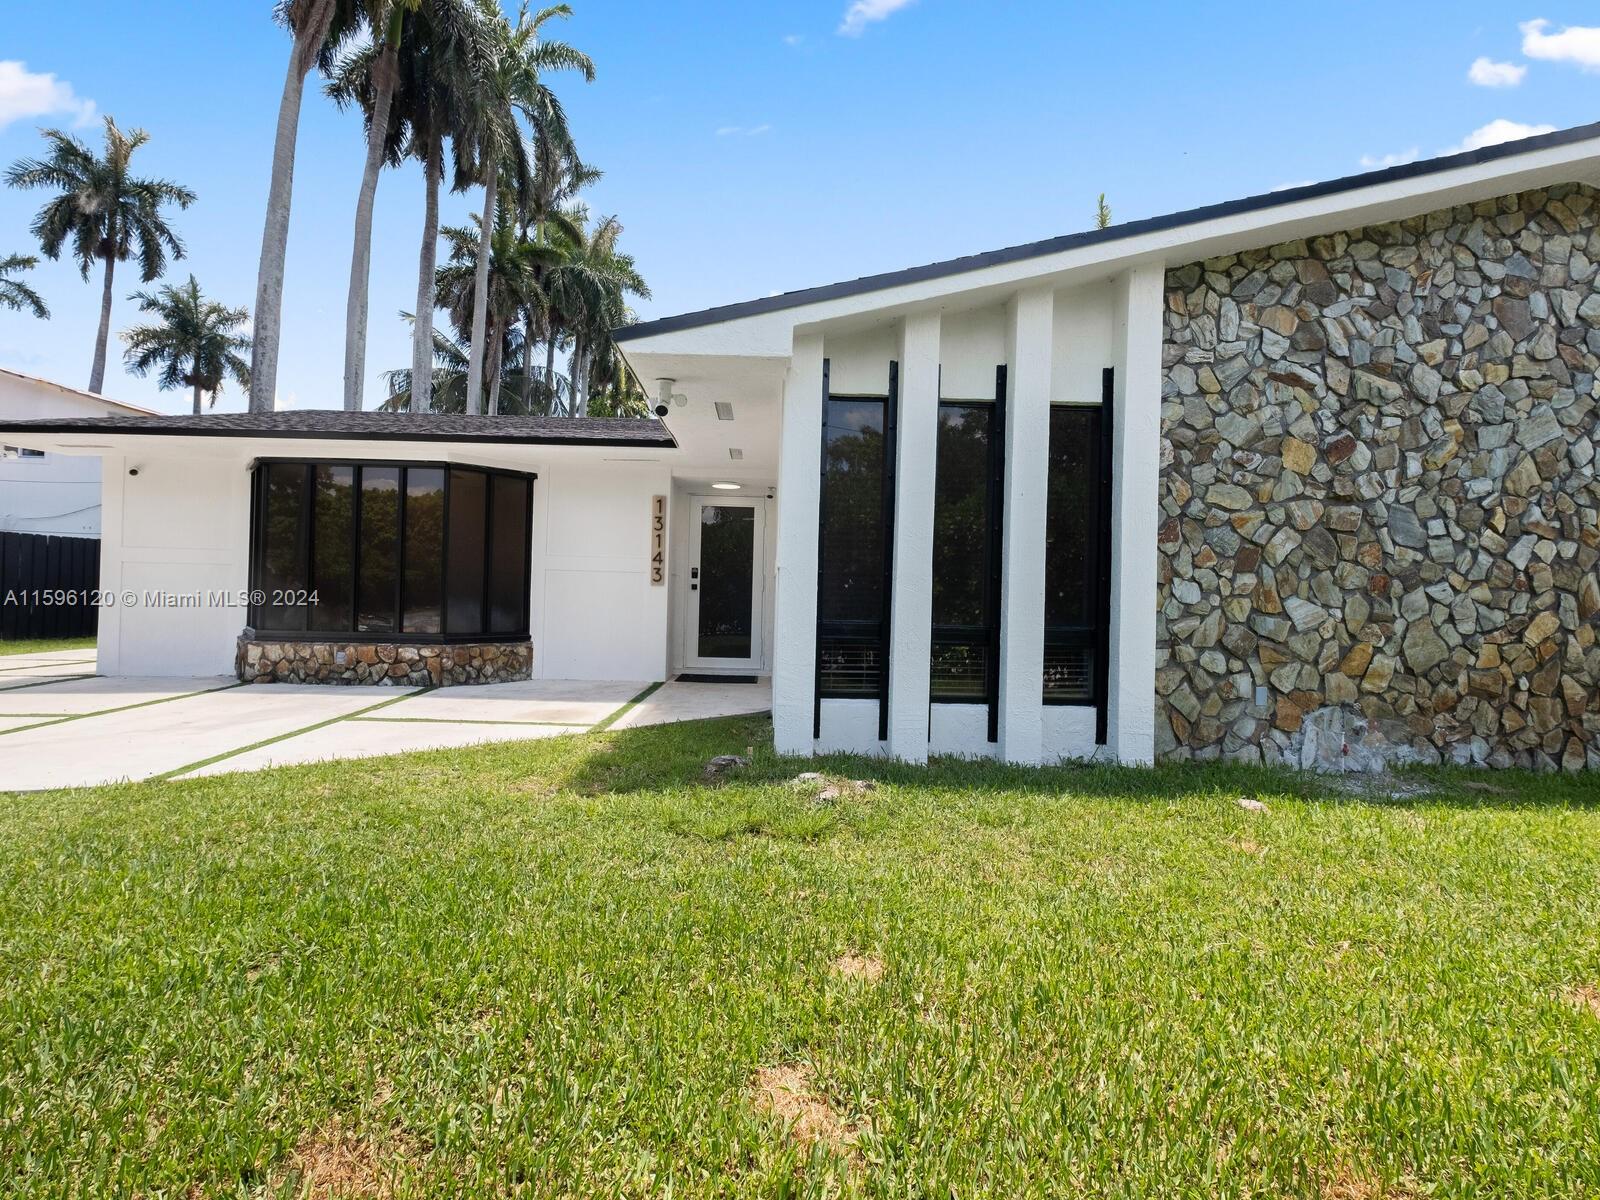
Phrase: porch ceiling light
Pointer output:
(725, 486)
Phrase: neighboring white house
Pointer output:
(1305, 476)
(43, 491)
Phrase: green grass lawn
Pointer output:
(569, 968)
(43, 645)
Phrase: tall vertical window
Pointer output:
(856, 517)
(1077, 556)
(966, 549)
(384, 551)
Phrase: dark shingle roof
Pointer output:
(1072, 241)
(370, 426)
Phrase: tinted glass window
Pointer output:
(283, 544)
(1074, 533)
(332, 537)
(961, 498)
(465, 565)
(508, 557)
(855, 541)
(379, 583)
(422, 600)
(726, 594)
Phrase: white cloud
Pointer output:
(743, 130)
(24, 93)
(1485, 72)
(1373, 162)
(1575, 44)
(1497, 131)
(862, 13)
(793, 39)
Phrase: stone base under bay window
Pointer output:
(267, 660)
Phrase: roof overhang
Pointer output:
(766, 327)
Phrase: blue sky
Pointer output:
(753, 148)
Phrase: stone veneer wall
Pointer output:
(1379, 494)
(269, 661)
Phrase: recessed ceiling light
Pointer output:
(724, 410)
(725, 486)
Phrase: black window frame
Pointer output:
(396, 636)
(867, 633)
(988, 633)
(1095, 634)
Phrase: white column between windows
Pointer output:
(911, 609)
(1028, 373)
(1136, 456)
(794, 680)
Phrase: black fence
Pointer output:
(66, 568)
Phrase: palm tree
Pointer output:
(589, 291)
(510, 84)
(447, 377)
(318, 26)
(509, 275)
(107, 214)
(196, 342)
(1102, 213)
(16, 295)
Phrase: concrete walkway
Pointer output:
(63, 726)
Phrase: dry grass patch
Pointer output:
(788, 1092)
(1584, 996)
(1348, 1184)
(336, 1163)
(868, 968)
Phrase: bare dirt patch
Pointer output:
(336, 1162)
(868, 968)
(1583, 996)
(788, 1092)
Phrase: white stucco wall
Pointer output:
(180, 526)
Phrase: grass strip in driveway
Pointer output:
(17, 687)
(106, 712)
(602, 726)
(283, 737)
(463, 721)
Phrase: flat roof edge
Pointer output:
(1090, 237)
(59, 426)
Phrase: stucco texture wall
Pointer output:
(1379, 499)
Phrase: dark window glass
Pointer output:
(465, 565)
(332, 568)
(379, 583)
(1072, 567)
(508, 556)
(727, 570)
(423, 597)
(855, 541)
(963, 607)
(283, 544)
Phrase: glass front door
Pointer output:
(725, 572)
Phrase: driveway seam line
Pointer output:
(17, 687)
(463, 721)
(106, 712)
(606, 724)
(283, 737)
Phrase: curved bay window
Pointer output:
(1077, 595)
(390, 551)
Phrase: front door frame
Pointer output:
(757, 663)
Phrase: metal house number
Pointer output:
(658, 539)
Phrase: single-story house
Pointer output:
(1304, 477)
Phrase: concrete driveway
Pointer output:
(63, 726)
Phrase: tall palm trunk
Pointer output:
(550, 364)
(198, 392)
(497, 350)
(97, 372)
(421, 398)
(527, 360)
(575, 375)
(385, 72)
(275, 230)
(480, 293)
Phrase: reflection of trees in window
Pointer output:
(854, 544)
(283, 545)
(380, 549)
(422, 600)
(332, 570)
(963, 607)
(1072, 566)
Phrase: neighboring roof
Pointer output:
(370, 426)
(79, 392)
(1072, 241)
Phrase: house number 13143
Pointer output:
(658, 539)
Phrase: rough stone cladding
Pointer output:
(1381, 519)
(271, 661)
